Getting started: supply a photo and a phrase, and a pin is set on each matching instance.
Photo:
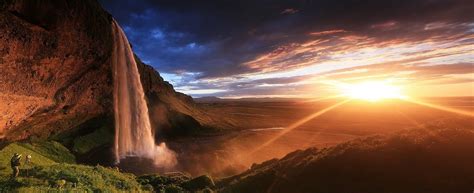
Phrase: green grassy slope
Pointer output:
(97, 138)
(43, 153)
(73, 177)
(53, 169)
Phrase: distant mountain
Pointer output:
(268, 99)
(246, 99)
(434, 159)
(208, 99)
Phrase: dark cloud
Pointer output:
(195, 41)
(217, 37)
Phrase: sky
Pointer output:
(296, 48)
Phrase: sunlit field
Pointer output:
(263, 126)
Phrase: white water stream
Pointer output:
(133, 133)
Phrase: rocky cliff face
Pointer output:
(55, 54)
(56, 77)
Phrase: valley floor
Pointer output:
(262, 133)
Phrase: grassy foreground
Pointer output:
(53, 169)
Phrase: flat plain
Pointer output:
(263, 129)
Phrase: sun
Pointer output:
(371, 90)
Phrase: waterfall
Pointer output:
(133, 133)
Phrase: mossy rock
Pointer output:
(206, 190)
(173, 189)
(199, 183)
(147, 187)
(162, 182)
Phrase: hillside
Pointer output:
(53, 169)
(435, 159)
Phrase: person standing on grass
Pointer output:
(27, 163)
(15, 164)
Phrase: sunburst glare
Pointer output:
(371, 90)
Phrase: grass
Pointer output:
(72, 178)
(87, 136)
(45, 153)
(52, 150)
(85, 143)
(53, 169)
(436, 158)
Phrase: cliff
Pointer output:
(56, 78)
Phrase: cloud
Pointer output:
(228, 43)
(328, 32)
(289, 11)
(390, 25)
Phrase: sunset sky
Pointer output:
(296, 48)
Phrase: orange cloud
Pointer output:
(328, 32)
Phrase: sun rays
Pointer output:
(371, 91)
(374, 90)
(299, 123)
(439, 107)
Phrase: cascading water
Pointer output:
(133, 134)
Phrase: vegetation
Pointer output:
(177, 182)
(85, 143)
(89, 135)
(43, 153)
(164, 183)
(52, 150)
(199, 183)
(72, 177)
(53, 169)
(434, 159)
